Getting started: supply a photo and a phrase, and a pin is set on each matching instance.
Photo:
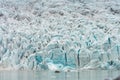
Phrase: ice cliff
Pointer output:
(59, 34)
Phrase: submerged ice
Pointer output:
(59, 34)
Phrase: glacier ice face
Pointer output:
(59, 34)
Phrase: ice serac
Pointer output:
(59, 34)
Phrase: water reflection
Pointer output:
(48, 75)
(78, 75)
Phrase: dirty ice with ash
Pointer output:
(59, 34)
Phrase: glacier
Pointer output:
(59, 34)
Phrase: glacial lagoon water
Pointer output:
(50, 75)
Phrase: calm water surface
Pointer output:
(49, 75)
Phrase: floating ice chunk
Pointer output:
(68, 69)
(55, 67)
